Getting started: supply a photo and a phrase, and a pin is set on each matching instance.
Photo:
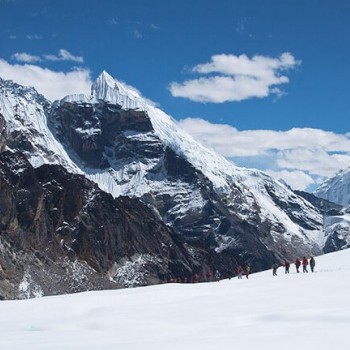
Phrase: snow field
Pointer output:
(296, 311)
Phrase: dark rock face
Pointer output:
(336, 225)
(292, 210)
(339, 239)
(323, 205)
(2, 133)
(98, 132)
(60, 233)
(34, 258)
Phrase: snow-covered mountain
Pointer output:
(127, 146)
(144, 153)
(336, 188)
(337, 231)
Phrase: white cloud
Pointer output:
(25, 57)
(113, 21)
(241, 26)
(64, 55)
(154, 27)
(236, 78)
(52, 84)
(34, 37)
(315, 161)
(137, 34)
(298, 180)
(313, 152)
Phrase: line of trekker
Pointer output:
(209, 277)
(303, 262)
(245, 271)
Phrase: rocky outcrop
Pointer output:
(98, 132)
(336, 222)
(325, 206)
(60, 233)
(337, 230)
(339, 238)
(3, 140)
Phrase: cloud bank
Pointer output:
(53, 85)
(236, 78)
(300, 156)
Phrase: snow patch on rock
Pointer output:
(28, 288)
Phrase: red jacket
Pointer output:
(305, 262)
(297, 263)
(195, 278)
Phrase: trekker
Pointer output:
(297, 264)
(239, 271)
(208, 275)
(286, 266)
(274, 269)
(247, 270)
(217, 276)
(195, 278)
(312, 263)
(305, 263)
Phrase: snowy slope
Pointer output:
(296, 311)
(336, 189)
(25, 113)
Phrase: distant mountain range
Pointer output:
(165, 206)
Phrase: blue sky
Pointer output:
(236, 74)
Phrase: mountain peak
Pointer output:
(106, 88)
(105, 79)
(110, 90)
